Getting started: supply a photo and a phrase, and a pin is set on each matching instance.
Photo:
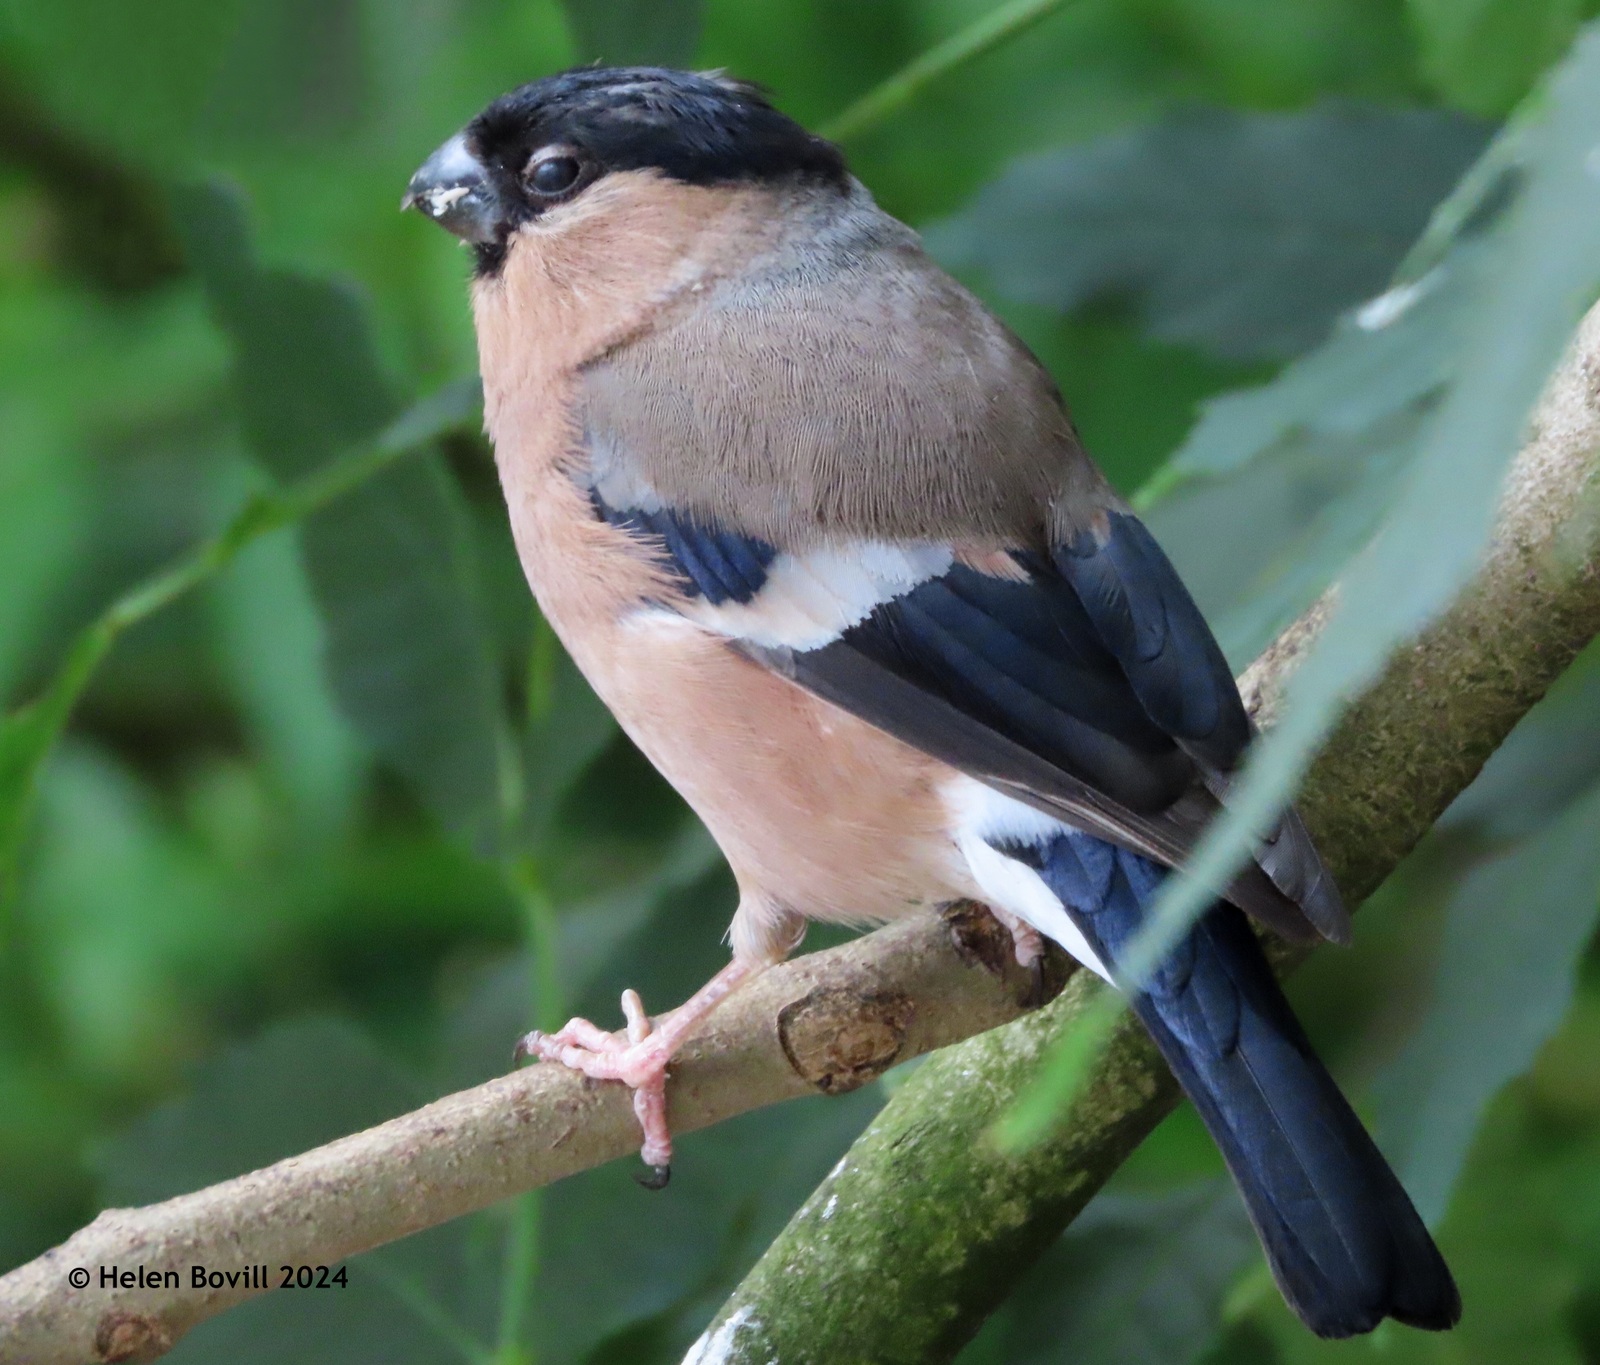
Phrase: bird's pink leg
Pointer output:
(639, 1059)
(1029, 948)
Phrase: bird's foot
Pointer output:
(638, 1058)
(1029, 948)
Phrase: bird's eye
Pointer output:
(552, 175)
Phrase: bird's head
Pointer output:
(608, 142)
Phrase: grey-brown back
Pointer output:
(841, 385)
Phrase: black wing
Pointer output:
(1087, 686)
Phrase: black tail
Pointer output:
(1343, 1240)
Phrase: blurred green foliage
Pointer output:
(326, 832)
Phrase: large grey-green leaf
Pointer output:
(1382, 360)
(390, 567)
(1278, 486)
(1520, 890)
(306, 369)
(1243, 233)
(1257, 545)
(1546, 271)
(1137, 1280)
(406, 648)
(635, 32)
(1513, 933)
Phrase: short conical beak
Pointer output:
(454, 190)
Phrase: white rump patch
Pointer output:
(810, 599)
(981, 814)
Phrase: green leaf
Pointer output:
(635, 32)
(1311, 461)
(1311, 504)
(306, 368)
(1386, 358)
(1483, 55)
(1245, 234)
(1136, 1280)
(1513, 934)
(277, 675)
(1546, 271)
(132, 929)
(408, 650)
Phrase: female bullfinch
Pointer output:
(819, 531)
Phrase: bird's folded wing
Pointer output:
(1008, 679)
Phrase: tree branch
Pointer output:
(925, 1227)
(957, 1218)
(827, 1022)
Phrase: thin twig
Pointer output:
(979, 37)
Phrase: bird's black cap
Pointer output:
(702, 129)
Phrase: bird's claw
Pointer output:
(633, 1059)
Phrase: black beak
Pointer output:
(454, 190)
